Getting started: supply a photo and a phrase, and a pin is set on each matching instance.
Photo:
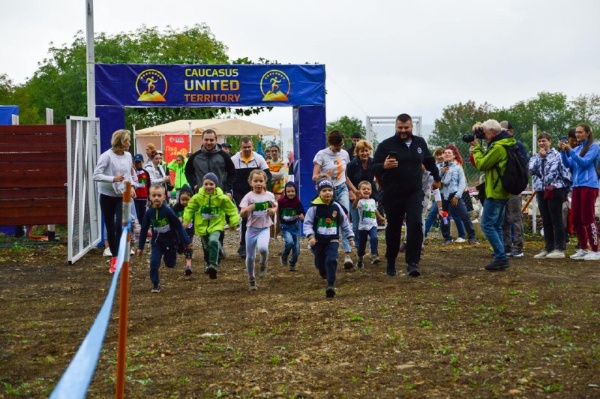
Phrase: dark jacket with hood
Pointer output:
(289, 209)
(216, 161)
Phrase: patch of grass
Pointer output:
(356, 317)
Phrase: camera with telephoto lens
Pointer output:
(477, 134)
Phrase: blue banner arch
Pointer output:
(302, 87)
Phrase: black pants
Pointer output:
(112, 208)
(397, 207)
(552, 219)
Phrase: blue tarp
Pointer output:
(6, 113)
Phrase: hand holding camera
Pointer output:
(476, 134)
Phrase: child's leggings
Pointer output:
(256, 238)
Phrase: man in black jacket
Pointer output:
(397, 163)
(210, 158)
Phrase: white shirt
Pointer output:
(110, 165)
(335, 162)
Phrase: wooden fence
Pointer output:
(33, 175)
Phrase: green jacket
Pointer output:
(208, 212)
(179, 170)
(486, 162)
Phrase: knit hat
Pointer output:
(212, 177)
(324, 183)
(186, 189)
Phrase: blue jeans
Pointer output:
(433, 214)
(291, 238)
(158, 252)
(491, 225)
(341, 195)
(326, 254)
(459, 213)
(365, 235)
(354, 218)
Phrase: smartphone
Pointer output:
(446, 163)
(563, 139)
(393, 154)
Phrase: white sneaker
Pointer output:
(348, 264)
(542, 255)
(106, 252)
(460, 240)
(556, 254)
(579, 254)
(592, 256)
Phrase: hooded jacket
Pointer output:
(289, 209)
(486, 162)
(208, 212)
(324, 221)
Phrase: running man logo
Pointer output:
(151, 86)
(275, 86)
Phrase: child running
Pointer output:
(208, 210)
(167, 231)
(185, 194)
(322, 227)
(368, 215)
(258, 206)
(291, 212)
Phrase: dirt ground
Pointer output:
(532, 331)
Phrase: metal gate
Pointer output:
(380, 128)
(83, 150)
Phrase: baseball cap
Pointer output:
(138, 158)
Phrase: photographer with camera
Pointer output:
(489, 162)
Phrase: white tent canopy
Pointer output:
(194, 128)
(223, 127)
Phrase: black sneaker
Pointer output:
(412, 270)
(497, 265)
(212, 272)
(360, 264)
(391, 271)
(284, 260)
(242, 251)
(330, 292)
(188, 271)
(292, 267)
(156, 289)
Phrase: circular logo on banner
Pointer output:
(275, 86)
(151, 86)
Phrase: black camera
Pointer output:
(477, 134)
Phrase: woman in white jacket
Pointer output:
(157, 172)
(113, 169)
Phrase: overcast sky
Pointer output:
(382, 58)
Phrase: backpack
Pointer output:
(515, 177)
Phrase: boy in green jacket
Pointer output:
(208, 209)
